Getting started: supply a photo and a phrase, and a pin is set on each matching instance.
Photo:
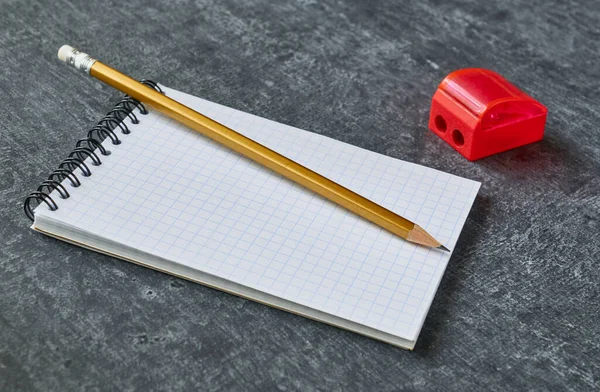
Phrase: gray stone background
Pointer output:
(518, 308)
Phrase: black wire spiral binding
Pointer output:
(87, 148)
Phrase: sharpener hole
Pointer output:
(458, 137)
(440, 123)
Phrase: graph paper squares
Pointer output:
(171, 192)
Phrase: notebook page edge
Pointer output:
(416, 330)
(46, 225)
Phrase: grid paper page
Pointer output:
(171, 192)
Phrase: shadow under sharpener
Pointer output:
(479, 113)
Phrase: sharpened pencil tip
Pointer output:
(442, 247)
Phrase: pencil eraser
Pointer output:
(64, 52)
(480, 113)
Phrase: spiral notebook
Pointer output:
(146, 189)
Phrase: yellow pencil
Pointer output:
(251, 149)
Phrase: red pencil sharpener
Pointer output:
(479, 113)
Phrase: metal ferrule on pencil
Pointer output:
(77, 59)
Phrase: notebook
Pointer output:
(171, 199)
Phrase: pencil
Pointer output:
(328, 189)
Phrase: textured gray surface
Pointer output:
(518, 308)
